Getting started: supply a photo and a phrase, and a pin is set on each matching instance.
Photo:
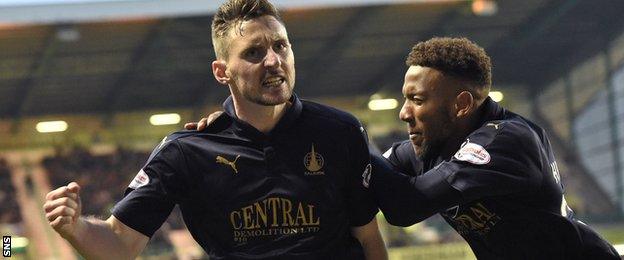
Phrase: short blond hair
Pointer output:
(234, 12)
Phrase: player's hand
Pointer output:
(201, 125)
(63, 209)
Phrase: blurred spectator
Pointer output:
(103, 179)
(9, 208)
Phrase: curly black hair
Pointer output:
(458, 57)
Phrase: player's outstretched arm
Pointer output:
(93, 238)
(370, 238)
(406, 200)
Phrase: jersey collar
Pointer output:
(243, 128)
(491, 110)
(488, 111)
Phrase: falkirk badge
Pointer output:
(313, 162)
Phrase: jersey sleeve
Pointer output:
(360, 201)
(154, 191)
(492, 161)
(403, 158)
(497, 159)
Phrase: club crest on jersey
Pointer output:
(222, 160)
(141, 179)
(472, 153)
(313, 162)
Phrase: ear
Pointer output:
(464, 104)
(219, 68)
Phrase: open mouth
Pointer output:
(416, 137)
(272, 82)
(414, 134)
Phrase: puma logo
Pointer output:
(232, 164)
(493, 125)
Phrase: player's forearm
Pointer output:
(371, 240)
(400, 205)
(374, 249)
(406, 200)
(96, 239)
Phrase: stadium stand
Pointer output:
(9, 208)
(103, 179)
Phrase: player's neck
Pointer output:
(263, 118)
(462, 130)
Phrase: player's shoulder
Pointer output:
(403, 157)
(515, 129)
(217, 129)
(183, 135)
(402, 148)
(328, 114)
(173, 138)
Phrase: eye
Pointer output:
(280, 45)
(415, 99)
(253, 53)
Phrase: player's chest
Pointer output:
(301, 169)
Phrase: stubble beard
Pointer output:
(256, 96)
(431, 148)
(260, 99)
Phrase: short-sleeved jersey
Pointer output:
(292, 193)
(501, 191)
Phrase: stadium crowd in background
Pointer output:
(9, 208)
(100, 178)
(98, 175)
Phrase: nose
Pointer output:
(406, 114)
(272, 59)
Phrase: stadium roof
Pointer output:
(147, 62)
(64, 11)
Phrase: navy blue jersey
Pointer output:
(295, 192)
(501, 191)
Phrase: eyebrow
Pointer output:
(273, 37)
(278, 37)
(414, 92)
